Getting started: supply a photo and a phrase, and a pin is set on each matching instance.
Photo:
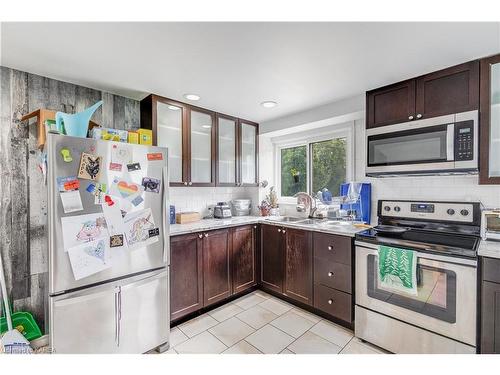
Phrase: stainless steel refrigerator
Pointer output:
(123, 308)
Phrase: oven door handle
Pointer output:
(432, 257)
(450, 142)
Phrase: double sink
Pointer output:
(301, 221)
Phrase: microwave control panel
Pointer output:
(464, 140)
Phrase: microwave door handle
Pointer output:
(450, 142)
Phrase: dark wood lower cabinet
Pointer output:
(309, 268)
(272, 258)
(186, 283)
(243, 257)
(298, 265)
(490, 306)
(216, 266)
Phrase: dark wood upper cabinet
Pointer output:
(216, 266)
(391, 104)
(272, 258)
(205, 148)
(298, 265)
(243, 257)
(186, 283)
(489, 120)
(451, 90)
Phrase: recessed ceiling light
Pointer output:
(269, 104)
(173, 108)
(207, 126)
(192, 96)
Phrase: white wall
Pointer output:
(459, 188)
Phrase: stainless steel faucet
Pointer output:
(306, 202)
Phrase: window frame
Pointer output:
(307, 139)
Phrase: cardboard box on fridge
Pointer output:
(145, 136)
(133, 137)
(109, 134)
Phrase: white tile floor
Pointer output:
(259, 323)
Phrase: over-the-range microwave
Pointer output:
(439, 145)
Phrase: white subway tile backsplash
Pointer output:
(200, 198)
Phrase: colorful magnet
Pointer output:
(108, 200)
(115, 167)
(154, 232)
(151, 184)
(137, 200)
(66, 155)
(134, 167)
(155, 156)
(68, 183)
(116, 240)
(90, 167)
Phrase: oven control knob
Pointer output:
(464, 212)
(387, 208)
(450, 211)
(397, 208)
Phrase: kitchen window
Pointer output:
(312, 163)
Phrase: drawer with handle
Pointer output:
(332, 274)
(332, 247)
(333, 302)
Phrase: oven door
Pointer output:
(446, 298)
(411, 149)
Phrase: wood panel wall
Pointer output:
(23, 194)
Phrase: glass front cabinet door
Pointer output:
(170, 129)
(490, 120)
(227, 150)
(248, 153)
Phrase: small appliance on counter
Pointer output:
(490, 224)
(241, 207)
(222, 211)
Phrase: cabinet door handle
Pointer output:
(330, 301)
(330, 248)
(410, 117)
(255, 227)
(284, 231)
(279, 230)
(419, 115)
(190, 183)
(200, 235)
(330, 274)
(185, 183)
(206, 235)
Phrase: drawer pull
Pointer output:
(330, 248)
(279, 230)
(330, 301)
(330, 274)
(200, 235)
(206, 234)
(284, 231)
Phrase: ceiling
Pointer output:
(236, 66)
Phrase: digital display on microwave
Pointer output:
(464, 130)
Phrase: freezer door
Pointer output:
(144, 314)
(85, 321)
(135, 261)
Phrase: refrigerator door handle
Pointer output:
(166, 217)
(116, 319)
(119, 294)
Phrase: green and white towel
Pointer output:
(398, 269)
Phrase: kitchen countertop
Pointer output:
(489, 249)
(211, 224)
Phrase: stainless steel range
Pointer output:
(441, 318)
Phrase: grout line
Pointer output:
(248, 344)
